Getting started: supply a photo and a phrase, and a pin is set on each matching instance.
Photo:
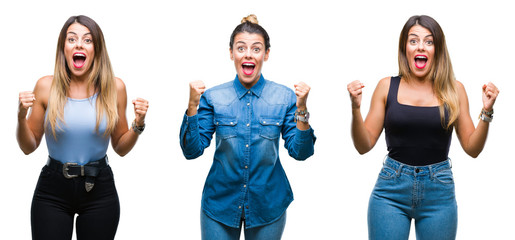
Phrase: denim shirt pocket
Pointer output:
(270, 128)
(225, 127)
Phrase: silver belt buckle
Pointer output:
(65, 170)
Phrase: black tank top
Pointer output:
(414, 135)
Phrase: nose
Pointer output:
(421, 46)
(248, 53)
(78, 44)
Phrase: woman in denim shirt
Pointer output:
(246, 183)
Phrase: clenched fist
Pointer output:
(302, 91)
(355, 89)
(490, 93)
(140, 110)
(26, 101)
(197, 88)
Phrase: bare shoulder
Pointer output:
(42, 88)
(120, 85)
(384, 83)
(383, 86)
(44, 83)
(460, 88)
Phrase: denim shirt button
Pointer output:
(417, 170)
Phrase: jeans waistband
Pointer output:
(417, 170)
(72, 170)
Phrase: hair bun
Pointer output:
(250, 19)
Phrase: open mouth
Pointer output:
(79, 59)
(248, 68)
(420, 61)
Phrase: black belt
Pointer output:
(72, 170)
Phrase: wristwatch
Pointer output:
(137, 129)
(302, 116)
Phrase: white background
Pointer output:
(157, 47)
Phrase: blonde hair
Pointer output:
(251, 18)
(101, 79)
(441, 73)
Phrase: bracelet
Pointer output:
(137, 129)
(486, 116)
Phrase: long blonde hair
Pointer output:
(101, 79)
(441, 73)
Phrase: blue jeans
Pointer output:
(213, 230)
(423, 193)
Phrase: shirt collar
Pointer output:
(256, 89)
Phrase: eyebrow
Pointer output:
(412, 34)
(78, 34)
(251, 44)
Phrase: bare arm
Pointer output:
(123, 139)
(365, 133)
(29, 131)
(472, 138)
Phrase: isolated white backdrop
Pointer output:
(157, 47)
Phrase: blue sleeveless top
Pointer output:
(414, 135)
(77, 140)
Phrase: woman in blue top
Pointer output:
(418, 110)
(246, 183)
(79, 109)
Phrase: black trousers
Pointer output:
(57, 199)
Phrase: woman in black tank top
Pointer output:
(418, 110)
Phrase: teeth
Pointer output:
(79, 55)
(420, 57)
(248, 64)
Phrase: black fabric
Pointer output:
(91, 169)
(414, 135)
(57, 199)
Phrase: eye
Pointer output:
(256, 50)
(241, 49)
(71, 40)
(88, 40)
(429, 42)
(413, 41)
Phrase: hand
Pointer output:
(26, 101)
(490, 93)
(302, 91)
(140, 110)
(355, 89)
(197, 88)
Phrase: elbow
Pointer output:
(474, 154)
(26, 151)
(302, 156)
(120, 152)
(192, 155)
(362, 151)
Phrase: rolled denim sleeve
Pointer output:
(299, 143)
(197, 131)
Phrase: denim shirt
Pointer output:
(246, 173)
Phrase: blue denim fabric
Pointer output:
(423, 193)
(213, 230)
(246, 171)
